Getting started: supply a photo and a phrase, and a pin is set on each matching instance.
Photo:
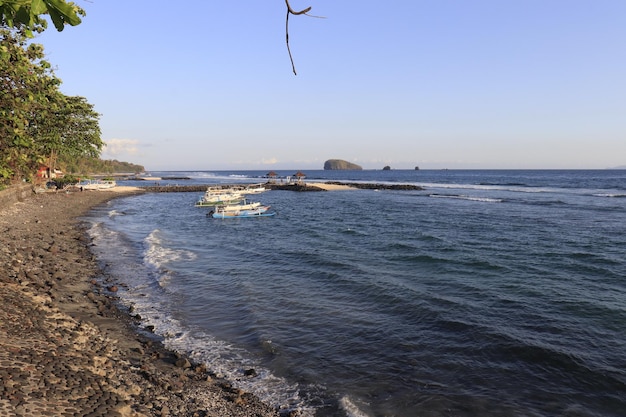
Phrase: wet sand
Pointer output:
(66, 350)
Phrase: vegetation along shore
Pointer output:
(66, 349)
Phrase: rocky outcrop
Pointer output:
(293, 187)
(340, 164)
(374, 186)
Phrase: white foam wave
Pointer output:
(157, 255)
(510, 188)
(469, 198)
(350, 408)
(224, 359)
(114, 213)
(611, 195)
(201, 174)
(97, 232)
(216, 177)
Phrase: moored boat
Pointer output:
(243, 205)
(96, 184)
(220, 196)
(254, 189)
(233, 211)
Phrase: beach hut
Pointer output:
(299, 175)
(272, 176)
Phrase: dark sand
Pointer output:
(66, 350)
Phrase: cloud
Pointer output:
(116, 148)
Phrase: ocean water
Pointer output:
(487, 293)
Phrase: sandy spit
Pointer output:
(331, 187)
(66, 350)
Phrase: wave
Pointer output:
(350, 408)
(98, 233)
(213, 176)
(233, 363)
(610, 195)
(506, 184)
(157, 255)
(469, 198)
(114, 213)
(511, 188)
(201, 174)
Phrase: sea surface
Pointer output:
(487, 293)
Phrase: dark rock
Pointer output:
(340, 164)
(183, 363)
(294, 187)
(374, 186)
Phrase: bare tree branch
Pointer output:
(291, 11)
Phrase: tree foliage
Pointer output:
(93, 166)
(69, 127)
(37, 121)
(28, 14)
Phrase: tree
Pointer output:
(27, 87)
(28, 13)
(37, 121)
(69, 128)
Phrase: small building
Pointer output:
(272, 176)
(49, 173)
(299, 176)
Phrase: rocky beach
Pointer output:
(65, 347)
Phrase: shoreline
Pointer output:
(65, 347)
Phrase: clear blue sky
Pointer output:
(207, 85)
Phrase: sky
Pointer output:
(458, 84)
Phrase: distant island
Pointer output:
(337, 164)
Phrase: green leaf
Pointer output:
(23, 16)
(66, 11)
(38, 7)
(57, 19)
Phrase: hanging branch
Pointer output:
(291, 11)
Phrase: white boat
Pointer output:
(96, 184)
(221, 212)
(254, 189)
(244, 205)
(220, 196)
